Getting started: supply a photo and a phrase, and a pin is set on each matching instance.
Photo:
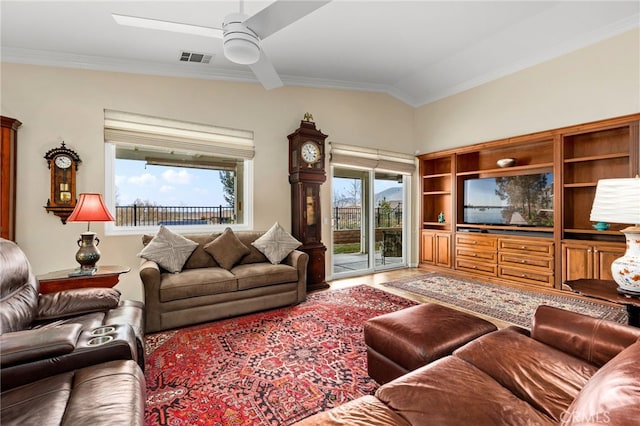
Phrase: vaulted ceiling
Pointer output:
(416, 51)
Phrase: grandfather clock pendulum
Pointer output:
(306, 174)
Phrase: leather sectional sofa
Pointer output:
(71, 357)
(570, 369)
(205, 291)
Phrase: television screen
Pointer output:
(525, 200)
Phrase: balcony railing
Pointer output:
(173, 215)
(351, 217)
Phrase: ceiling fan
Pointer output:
(240, 34)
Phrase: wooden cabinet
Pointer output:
(477, 253)
(526, 260)
(436, 248)
(589, 259)
(564, 245)
(8, 159)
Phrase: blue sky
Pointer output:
(167, 186)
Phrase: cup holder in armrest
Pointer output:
(105, 329)
(99, 340)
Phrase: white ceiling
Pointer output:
(416, 51)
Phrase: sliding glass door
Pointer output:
(368, 221)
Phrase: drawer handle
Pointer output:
(475, 254)
(475, 267)
(523, 276)
(523, 247)
(523, 261)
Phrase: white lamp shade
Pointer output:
(617, 201)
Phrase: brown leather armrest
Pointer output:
(32, 345)
(76, 301)
(592, 339)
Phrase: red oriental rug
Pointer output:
(270, 368)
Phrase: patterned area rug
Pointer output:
(504, 303)
(271, 368)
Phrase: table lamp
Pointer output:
(90, 208)
(618, 201)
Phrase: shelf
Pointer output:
(440, 224)
(505, 170)
(436, 193)
(438, 175)
(592, 231)
(581, 185)
(597, 157)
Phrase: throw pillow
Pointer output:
(169, 250)
(227, 249)
(276, 244)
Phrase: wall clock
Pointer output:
(63, 165)
(306, 174)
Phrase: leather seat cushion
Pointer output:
(109, 393)
(255, 275)
(415, 336)
(196, 282)
(537, 373)
(451, 391)
(364, 411)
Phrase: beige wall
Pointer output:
(56, 104)
(594, 83)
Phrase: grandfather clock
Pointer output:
(306, 174)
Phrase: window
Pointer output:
(192, 177)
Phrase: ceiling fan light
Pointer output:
(241, 51)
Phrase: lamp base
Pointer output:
(626, 269)
(88, 254)
(82, 272)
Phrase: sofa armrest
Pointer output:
(592, 339)
(32, 345)
(75, 302)
(151, 276)
(299, 260)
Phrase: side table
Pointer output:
(607, 290)
(105, 276)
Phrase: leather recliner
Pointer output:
(42, 335)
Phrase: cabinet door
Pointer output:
(428, 247)
(443, 249)
(577, 261)
(604, 255)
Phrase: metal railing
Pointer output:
(351, 217)
(173, 215)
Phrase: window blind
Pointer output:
(138, 129)
(369, 158)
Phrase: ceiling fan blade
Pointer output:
(280, 14)
(157, 24)
(266, 73)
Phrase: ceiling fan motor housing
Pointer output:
(241, 45)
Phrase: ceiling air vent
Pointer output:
(200, 58)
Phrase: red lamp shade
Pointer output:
(90, 208)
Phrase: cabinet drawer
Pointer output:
(482, 241)
(526, 276)
(526, 246)
(477, 255)
(518, 260)
(477, 267)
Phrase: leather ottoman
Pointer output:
(407, 339)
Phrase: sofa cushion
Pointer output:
(196, 282)
(539, 374)
(227, 249)
(612, 396)
(364, 411)
(450, 391)
(276, 243)
(168, 249)
(264, 274)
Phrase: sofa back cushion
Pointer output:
(592, 339)
(18, 289)
(612, 396)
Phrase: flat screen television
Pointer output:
(524, 200)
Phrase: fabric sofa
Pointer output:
(570, 369)
(63, 354)
(203, 290)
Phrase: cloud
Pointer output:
(182, 177)
(120, 179)
(167, 188)
(145, 179)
